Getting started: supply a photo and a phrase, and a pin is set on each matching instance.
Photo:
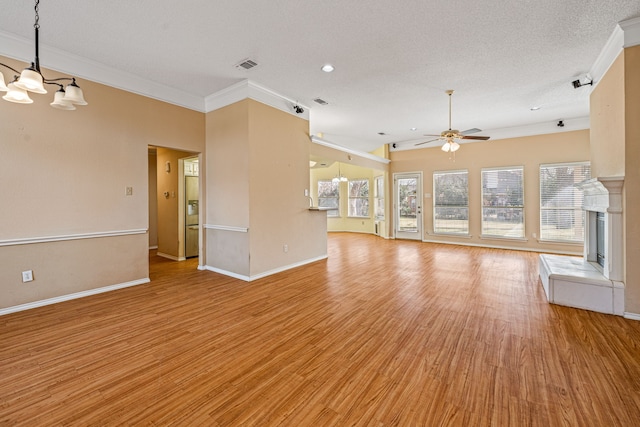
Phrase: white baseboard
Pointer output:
(266, 273)
(62, 298)
(153, 247)
(171, 257)
(631, 316)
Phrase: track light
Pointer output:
(32, 80)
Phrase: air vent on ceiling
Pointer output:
(321, 101)
(247, 64)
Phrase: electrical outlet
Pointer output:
(285, 248)
(129, 191)
(27, 276)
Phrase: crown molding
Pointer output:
(18, 48)
(369, 156)
(625, 34)
(631, 29)
(248, 89)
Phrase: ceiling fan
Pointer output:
(450, 135)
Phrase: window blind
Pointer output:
(561, 201)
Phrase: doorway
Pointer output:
(408, 205)
(170, 216)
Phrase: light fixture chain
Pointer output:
(37, 23)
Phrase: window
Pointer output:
(329, 196)
(378, 195)
(451, 202)
(503, 202)
(561, 213)
(359, 198)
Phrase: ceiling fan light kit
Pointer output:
(450, 135)
(32, 80)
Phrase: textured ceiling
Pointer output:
(393, 60)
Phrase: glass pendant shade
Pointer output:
(17, 95)
(3, 86)
(31, 80)
(74, 94)
(446, 147)
(454, 146)
(60, 103)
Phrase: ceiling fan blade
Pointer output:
(470, 131)
(480, 138)
(426, 142)
(428, 134)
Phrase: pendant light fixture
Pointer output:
(339, 177)
(32, 80)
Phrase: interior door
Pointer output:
(408, 205)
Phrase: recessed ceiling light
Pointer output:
(414, 128)
(327, 68)
(535, 108)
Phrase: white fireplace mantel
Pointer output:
(604, 194)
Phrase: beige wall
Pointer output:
(615, 149)
(257, 163)
(279, 175)
(632, 178)
(227, 146)
(64, 174)
(529, 152)
(607, 119)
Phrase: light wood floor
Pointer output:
(383, 333)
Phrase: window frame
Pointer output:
(542, 198)
(521, 208)
(377, 199)
(330, 211)
(436, 206)
(349, 198)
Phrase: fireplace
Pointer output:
(595, 280)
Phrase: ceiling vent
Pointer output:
(321, 101)
(247, 64)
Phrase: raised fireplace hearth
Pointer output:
(594, 281)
